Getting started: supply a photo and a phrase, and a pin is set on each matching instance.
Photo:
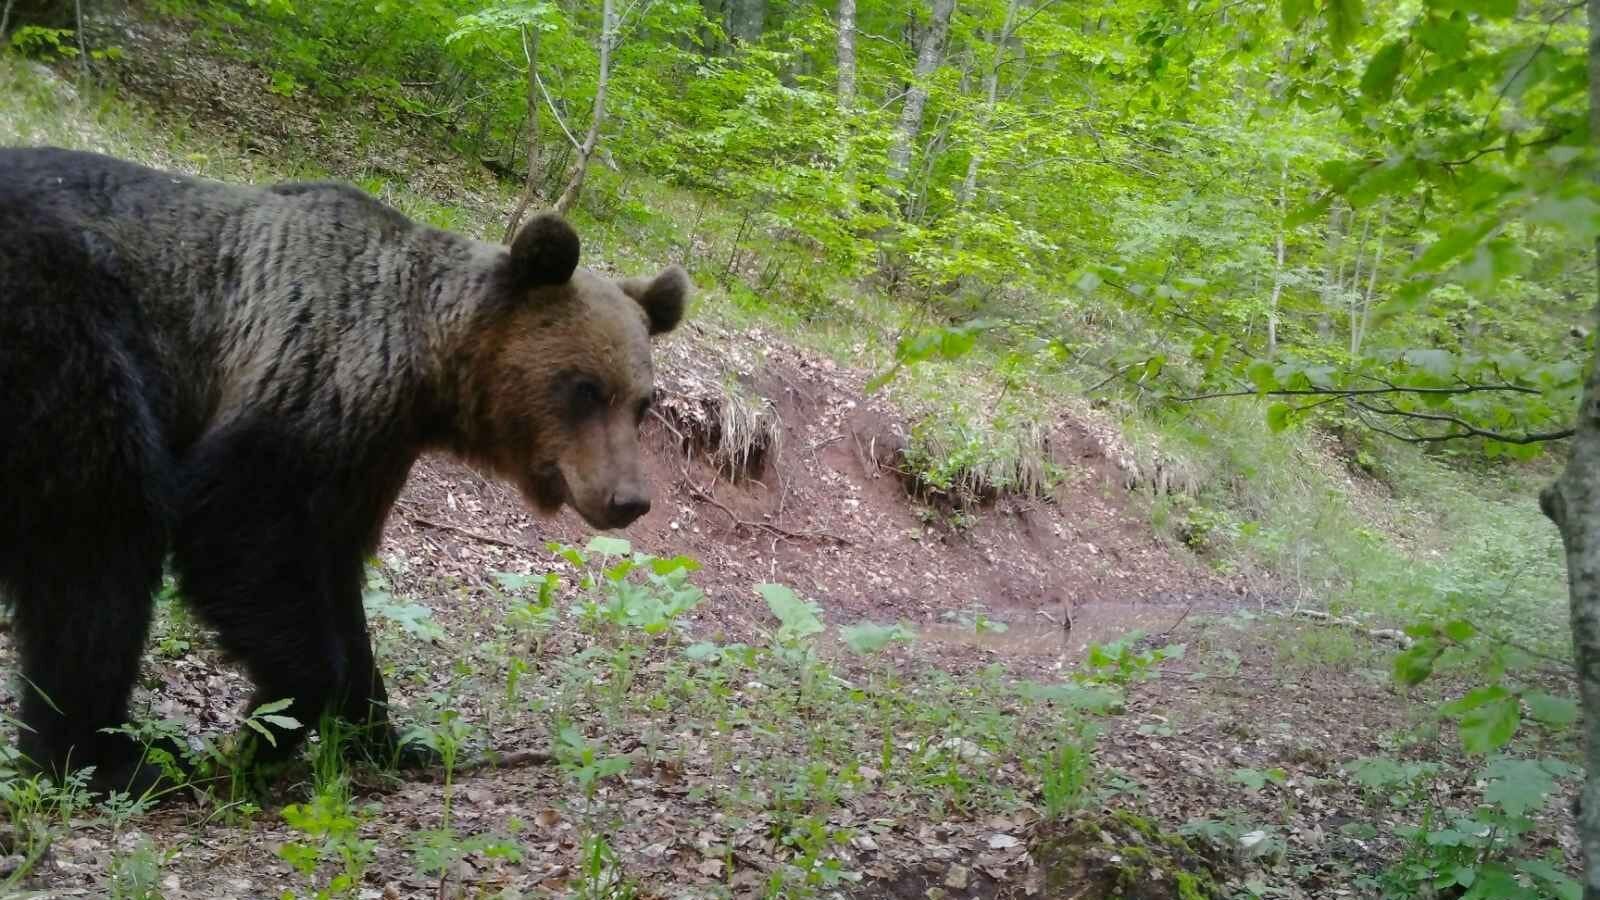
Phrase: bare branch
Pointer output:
(1466, 429)
(1359, 392)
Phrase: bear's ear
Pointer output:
(662, 297)
(545, 251)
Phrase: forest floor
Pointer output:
(718, 750)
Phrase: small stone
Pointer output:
(956, 878)
(1002, 842)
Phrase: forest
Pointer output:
(1112, 450)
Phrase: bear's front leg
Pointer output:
(364, 703)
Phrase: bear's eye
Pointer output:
(586, 398)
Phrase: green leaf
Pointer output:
(608, 546)
(1279, 416)
(1415, 665)
(1489, 9)
(1444, 36)
(287, 723)
(273, 707)
(263, 730)
(1550, 709)
(1459, 630)
(1518, 786)
(867, 638)
(678, 563)
(1263, 375)
(1455, 242)
(800, 619)
(1344, 20)
(1393, 176)
(1296, 11)
(702, 651)
(1377, 82)
(1310, 212)
(1490, 726)
(1475, 698)
(1560, 883)
(1438, 363)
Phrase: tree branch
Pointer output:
(1467, 428)
(1358, 392)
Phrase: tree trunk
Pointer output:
(747, 19)
(847, 55)
(1359, 335)
(1277, 273)
(1573, 503)
(530, 187)
(1351, 294)
(928, 50)
(991, 89)
(1334, 278)
(569, 196)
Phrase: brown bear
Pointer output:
(240, 378)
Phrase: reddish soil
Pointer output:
(825, 515)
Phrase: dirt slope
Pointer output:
(823, 512)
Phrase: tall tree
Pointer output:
(929, 50)
(846, 55)
(991, 92)
(530, 185)
(597, 116)
(747, 19)
(1573, 503)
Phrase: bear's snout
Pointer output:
(626, 505)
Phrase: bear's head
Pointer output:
(561, 376)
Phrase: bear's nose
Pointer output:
(626, 506)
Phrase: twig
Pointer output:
(703, 497)
(1112, 377)
(1359, 392)
(477, 536)
(1468, 429)
(1394, 635)
(515, 759)
(1174, 626)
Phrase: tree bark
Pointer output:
(530, 187)
(1358, 334)
(847, 55)
(1334, 279)
(1573, 503)
(991, 89)
(569, 196)
(1277, 273)
(747, 19)
(910, 124)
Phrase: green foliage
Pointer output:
(622, 589)
(1481, 852)
(1122, 662)
(332, 856)
(866, 638)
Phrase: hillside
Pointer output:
(1155, 659)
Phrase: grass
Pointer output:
(1421, 541)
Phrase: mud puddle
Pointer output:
(1099, 623)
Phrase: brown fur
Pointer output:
(239, 378)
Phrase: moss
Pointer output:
(1120, 854)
